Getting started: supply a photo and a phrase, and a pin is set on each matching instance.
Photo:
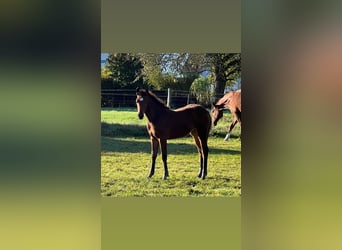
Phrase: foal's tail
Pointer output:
(202, 119)
(210, 122)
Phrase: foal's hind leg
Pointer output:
(163, 147)
(154, 153)
(205, 152)
(199, 148)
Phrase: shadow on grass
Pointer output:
(223, 135)
(221, 131)
(123, 130)
(110, 144)
(132, 130)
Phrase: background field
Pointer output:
(126, 158)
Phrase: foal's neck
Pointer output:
(154, 111)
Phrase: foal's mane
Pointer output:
(156, 98)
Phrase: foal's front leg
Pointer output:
(230, 129)
(154, 153)
(163, 147)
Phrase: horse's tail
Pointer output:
(202, 118)
(210, 121)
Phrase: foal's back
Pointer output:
(180, 122)
(233, 100)
(200, 117)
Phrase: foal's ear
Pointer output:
(141, 92)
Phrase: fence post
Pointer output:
(168, 98)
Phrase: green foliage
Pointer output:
(125, 70)
(159, 80)
(186, 67)
(227, 64)
(171, 70)
(202, 89)
(155, 77)
(226, 68)
(105, 73)
(126, 157)
(232, 67)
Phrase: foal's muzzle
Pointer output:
(141, 116)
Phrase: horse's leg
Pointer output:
(238, 115)
(231, 128)
(154, 153)
(199, 148)
(205, 151)
(163, 147)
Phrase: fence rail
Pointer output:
(126, 97)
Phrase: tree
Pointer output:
(174, 70)
(186, 67)
(227, 69)
(202, 89)
(125, 69)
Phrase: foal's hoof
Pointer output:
(165, 177)
(202, 176)
(227, 137)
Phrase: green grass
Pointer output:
(121, 116)
(126, 158)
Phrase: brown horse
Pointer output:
(164, 123)
(231, 101)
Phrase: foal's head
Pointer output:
(216, 113)
(141, 101)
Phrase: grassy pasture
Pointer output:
(126, 158)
